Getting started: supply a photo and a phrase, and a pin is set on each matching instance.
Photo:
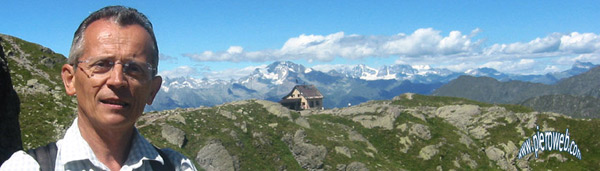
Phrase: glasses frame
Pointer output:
(125, 65)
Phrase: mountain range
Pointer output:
(341, 86)
(577, 96)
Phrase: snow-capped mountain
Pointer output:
(488, 72)
(578, 68)
(549, 78)
(340, 86)
(417, 73)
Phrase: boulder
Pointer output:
(355, 136)
(308, 156)
(302, 122)
(276, 109)
(458, 115)
(428, 151)
(407, 144)
(173, 135)
(494, 153)
(356, 166)
(214, 157)
(343, 150)
(10, 131)
(420, 131)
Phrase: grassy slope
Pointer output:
(42, 118)
(330, 131)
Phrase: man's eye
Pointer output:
(134, 68)
(101, 64)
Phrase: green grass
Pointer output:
(40, 113)
(436, 101)
(517, 108)
(584, 133)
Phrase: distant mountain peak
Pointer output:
(484, 71)
(583, 65)
(421, 67)
(279, 66)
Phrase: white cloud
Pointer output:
(580, 43)
(512, 66)
(422, 42)
(182, 71)
(538, 45)
(329, 67)
(461, 67)
(591, 57)
(165, 57)
(551, 68)
(233, 73)
(456, 51)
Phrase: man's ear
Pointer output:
(154, 87)
(68, 77)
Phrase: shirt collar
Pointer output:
(76, 148)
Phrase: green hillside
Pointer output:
(46, 111)
(576, 96)
(412, 132)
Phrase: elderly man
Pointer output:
(112, 71)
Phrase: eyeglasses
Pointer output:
(101, 67)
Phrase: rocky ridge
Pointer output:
(411, 132)
(10, 131)
(45, 109)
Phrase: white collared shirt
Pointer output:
(75, 154)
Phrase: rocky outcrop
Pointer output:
(10, 132)
(420, 131)
(276, 109)
(458, 115)
(343, 150)
(428, 151)
(173, 135)
(355, 136)
(354, 166)
(308, 156)
(214, 157)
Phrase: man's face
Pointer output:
(113, 98)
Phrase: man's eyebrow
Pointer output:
(135, 56)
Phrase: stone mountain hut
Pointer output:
(303, 97)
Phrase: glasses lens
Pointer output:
(100, 68)
(137, 70)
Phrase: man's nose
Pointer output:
(116, 77)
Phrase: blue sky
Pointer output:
(208, 38)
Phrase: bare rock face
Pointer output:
(356, 166)
(309, 156)
(420, 131)
(276, 109)
(10, 132)
(173, 135)
(343, 150)
(215, 156)
(428, 151)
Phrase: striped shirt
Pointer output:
(75, 154)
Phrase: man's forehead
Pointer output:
(107, 28)
(105, 38)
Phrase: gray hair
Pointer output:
(123, 16)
